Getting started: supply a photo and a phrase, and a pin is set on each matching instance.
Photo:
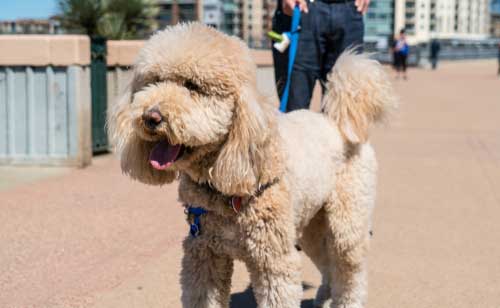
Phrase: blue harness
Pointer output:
(235, 203)
(195, 227)
(292, 52)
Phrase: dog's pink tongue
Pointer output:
(163, 155)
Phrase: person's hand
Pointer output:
(288, 6)
(362, 5)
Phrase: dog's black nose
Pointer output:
(152, 118)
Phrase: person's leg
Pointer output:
(306, 64)
(281, 23)
(405, 66)
(393, 54)
(395, 63)
(301, 88)
(346, 32)
(397, 57)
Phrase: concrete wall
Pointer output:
(119, 77)
(122, 54)
(45, 100)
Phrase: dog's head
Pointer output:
(192, 106)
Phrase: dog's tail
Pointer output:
(358, 94)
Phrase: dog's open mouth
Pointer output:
(164, 154)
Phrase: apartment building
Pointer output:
(257, 21)
(252, 21)
(269, 9)
(379, 22)
(248, 19)
(444, 19)
(213, 13)
(495, 18)
(30, 26)
(175, 11)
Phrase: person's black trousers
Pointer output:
(326, 31)
(434, 61)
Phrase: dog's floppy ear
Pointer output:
(134, 152)
(237, 168)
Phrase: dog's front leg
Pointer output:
(276, 281)
(205, 276)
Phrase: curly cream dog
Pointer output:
(193, 112)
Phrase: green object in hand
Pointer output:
(275, 36)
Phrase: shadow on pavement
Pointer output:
(243, 299)
(246, 299)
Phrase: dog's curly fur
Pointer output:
(317, 169)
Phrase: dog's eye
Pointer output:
(153, 79)
(191, 86)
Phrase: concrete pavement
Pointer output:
(93, 238)
(12, 176)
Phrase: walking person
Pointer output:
(327, 28)
(401, 51)
(498, 58)
(392, 51)
(435, 49)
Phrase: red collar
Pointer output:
(236, 202)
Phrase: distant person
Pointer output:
(435, 49)
(392, 51)
(498, 58)
(401, 51)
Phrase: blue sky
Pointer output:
(13, 9)
(495, 5)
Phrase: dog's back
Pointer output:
(319, 146)
(314, 151)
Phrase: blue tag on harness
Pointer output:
(195, 227)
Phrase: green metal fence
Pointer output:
(99, 94)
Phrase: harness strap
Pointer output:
(195, 227)
(234, 202)
(294, 42)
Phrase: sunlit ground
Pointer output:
(93, 238)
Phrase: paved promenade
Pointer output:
(93, 238)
